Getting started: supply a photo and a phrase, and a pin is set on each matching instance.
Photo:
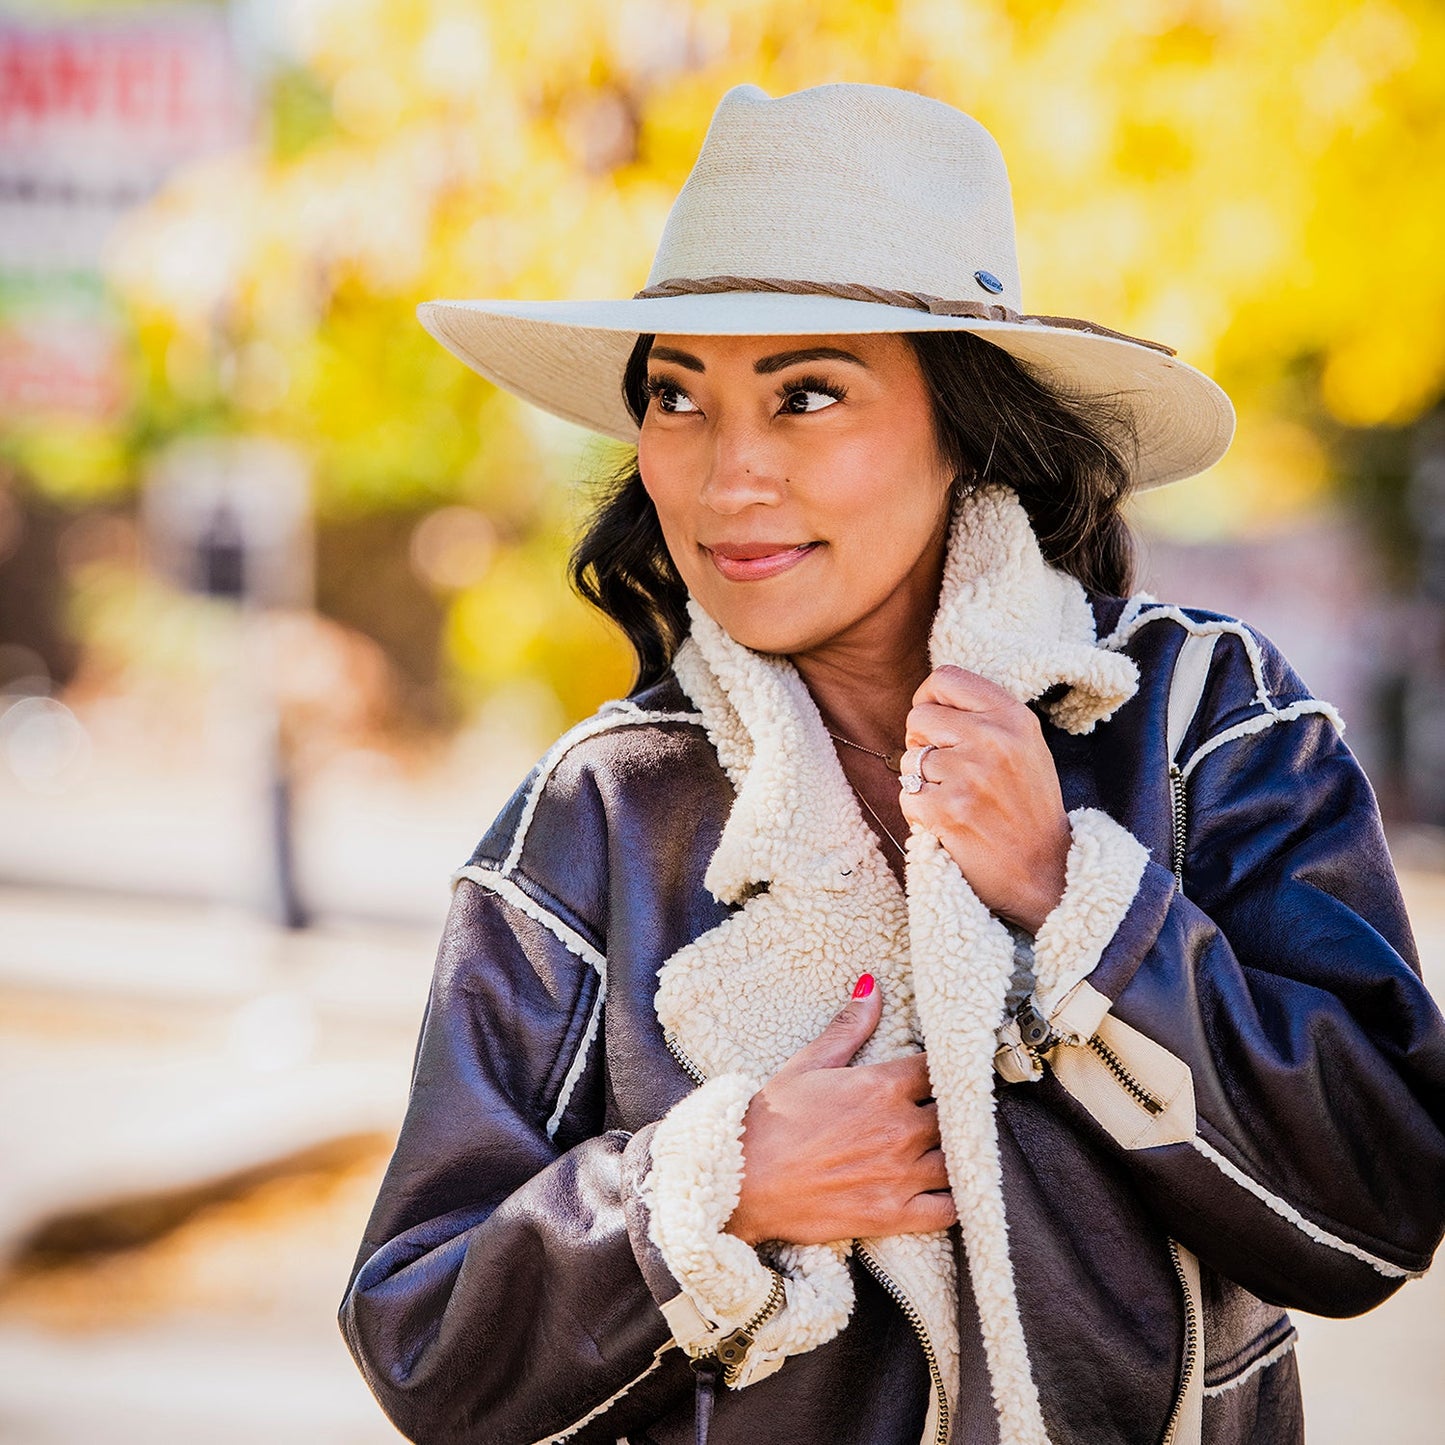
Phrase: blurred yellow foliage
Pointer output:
(79, 460)
(1257, 182)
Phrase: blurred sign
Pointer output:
(51, 362)
(230, 517)
(96, 111)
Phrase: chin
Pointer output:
(779, 634)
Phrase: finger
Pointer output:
(907, 1077)
(932, 722)
(947, 727)
(932, 1172)
(927, 1212)
(846, 1033)
(928, 1136)
(958, 688)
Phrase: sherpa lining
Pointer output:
(691, 1191)
(1102, 873)
(746, 995)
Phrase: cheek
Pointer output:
(889, 508)
(661, 477)
(669, 459)
(666, 480)
(649, 464)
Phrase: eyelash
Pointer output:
(657, 386)
(812, 383)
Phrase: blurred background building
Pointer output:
(283, 616)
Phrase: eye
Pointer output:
(810, 393)
(669, 397)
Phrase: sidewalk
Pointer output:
(147, 1051)
(152, 1048)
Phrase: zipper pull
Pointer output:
(1035, 1031)
(1026, 1040)
(733, 1349)
(1023, 1039)
(730, 1354)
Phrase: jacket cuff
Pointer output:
(636, 1165)
(1135, 1089)
(718, 1283)
(1102, 873)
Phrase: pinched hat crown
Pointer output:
(846, 183)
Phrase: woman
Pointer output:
(946, 1000)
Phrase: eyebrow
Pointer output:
(764, 365)
(682, 358)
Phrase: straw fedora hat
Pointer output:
(840, 209)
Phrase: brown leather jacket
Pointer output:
(508, 1288)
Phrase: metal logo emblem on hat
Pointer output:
(842, 209)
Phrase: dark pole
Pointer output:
(223, 565)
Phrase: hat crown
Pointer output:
(846, 183)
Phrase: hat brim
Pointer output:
(567, 357)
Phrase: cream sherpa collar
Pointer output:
(1003, 612)
(743, 997)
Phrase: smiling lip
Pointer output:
(752, 561)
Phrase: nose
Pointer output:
(743, 470)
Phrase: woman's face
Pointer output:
(798, 482)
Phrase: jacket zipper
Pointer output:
(1039, 1037)
(689, 1068)
(1191, 1345)
(895, 1292)
(1179, 809)
(1150, 1103)
(732, 1350)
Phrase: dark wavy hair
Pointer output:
(1069, 460)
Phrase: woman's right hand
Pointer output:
(832, 1152)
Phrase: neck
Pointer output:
(863, 680)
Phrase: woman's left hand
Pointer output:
(991, 794)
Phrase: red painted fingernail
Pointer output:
(864, 986)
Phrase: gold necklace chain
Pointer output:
(887, 832)
(893, 761)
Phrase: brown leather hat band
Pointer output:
(856, 291)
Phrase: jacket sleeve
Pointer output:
(498, 1295)
(1273, 1069)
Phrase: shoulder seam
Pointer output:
(612, 715)
(1150, 610)
(1143, 609)
(506, 889)
(1305, 707)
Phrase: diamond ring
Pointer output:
(911, 779)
